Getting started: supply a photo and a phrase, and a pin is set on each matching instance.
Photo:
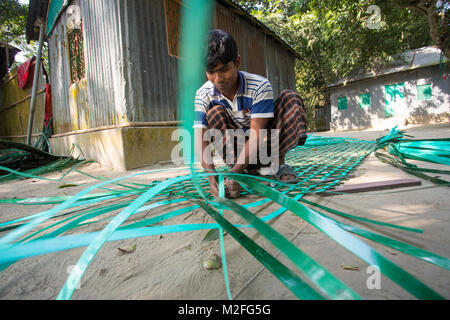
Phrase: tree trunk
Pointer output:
(437, 20)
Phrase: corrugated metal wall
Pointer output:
(100, 101)
(152, 74)
(105, 61)
(60, 78)
(130, 77)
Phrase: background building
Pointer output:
(413, 89)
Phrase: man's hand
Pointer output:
(213, 187)
(233, 188)
(206, 161)
(251, 145)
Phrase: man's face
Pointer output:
(225, 76)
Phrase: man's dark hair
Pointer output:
(221, 48)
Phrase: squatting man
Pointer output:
(236, 108)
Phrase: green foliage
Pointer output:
(13, 23)
(333, 40)
(13, 19)
(436, 13)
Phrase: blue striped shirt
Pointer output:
(254, 99)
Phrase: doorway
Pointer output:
(395, 100)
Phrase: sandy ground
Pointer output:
(170, 266)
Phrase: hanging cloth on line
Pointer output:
(25, 73)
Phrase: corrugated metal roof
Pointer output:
(247, 16)
(260, 52)
(428, 56)
(409, 60)
(57, 6)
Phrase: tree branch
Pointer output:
(438, 32)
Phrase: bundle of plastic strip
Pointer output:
(19, 160)
(436, 151)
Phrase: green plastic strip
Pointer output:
(286, 276)
(42, 217)
(400, 246)
(333, 170)
(93, 199)
(411, 170)
(222, 242)
(349, 216)
(55, 200)
(105, 209)
(87, 256)
(318, 275)
(392, 243)
(353, 244)
(60, 164)
(45, 246)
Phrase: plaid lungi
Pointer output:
(289, 119)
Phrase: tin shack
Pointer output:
(113, 71)
(414, 89)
